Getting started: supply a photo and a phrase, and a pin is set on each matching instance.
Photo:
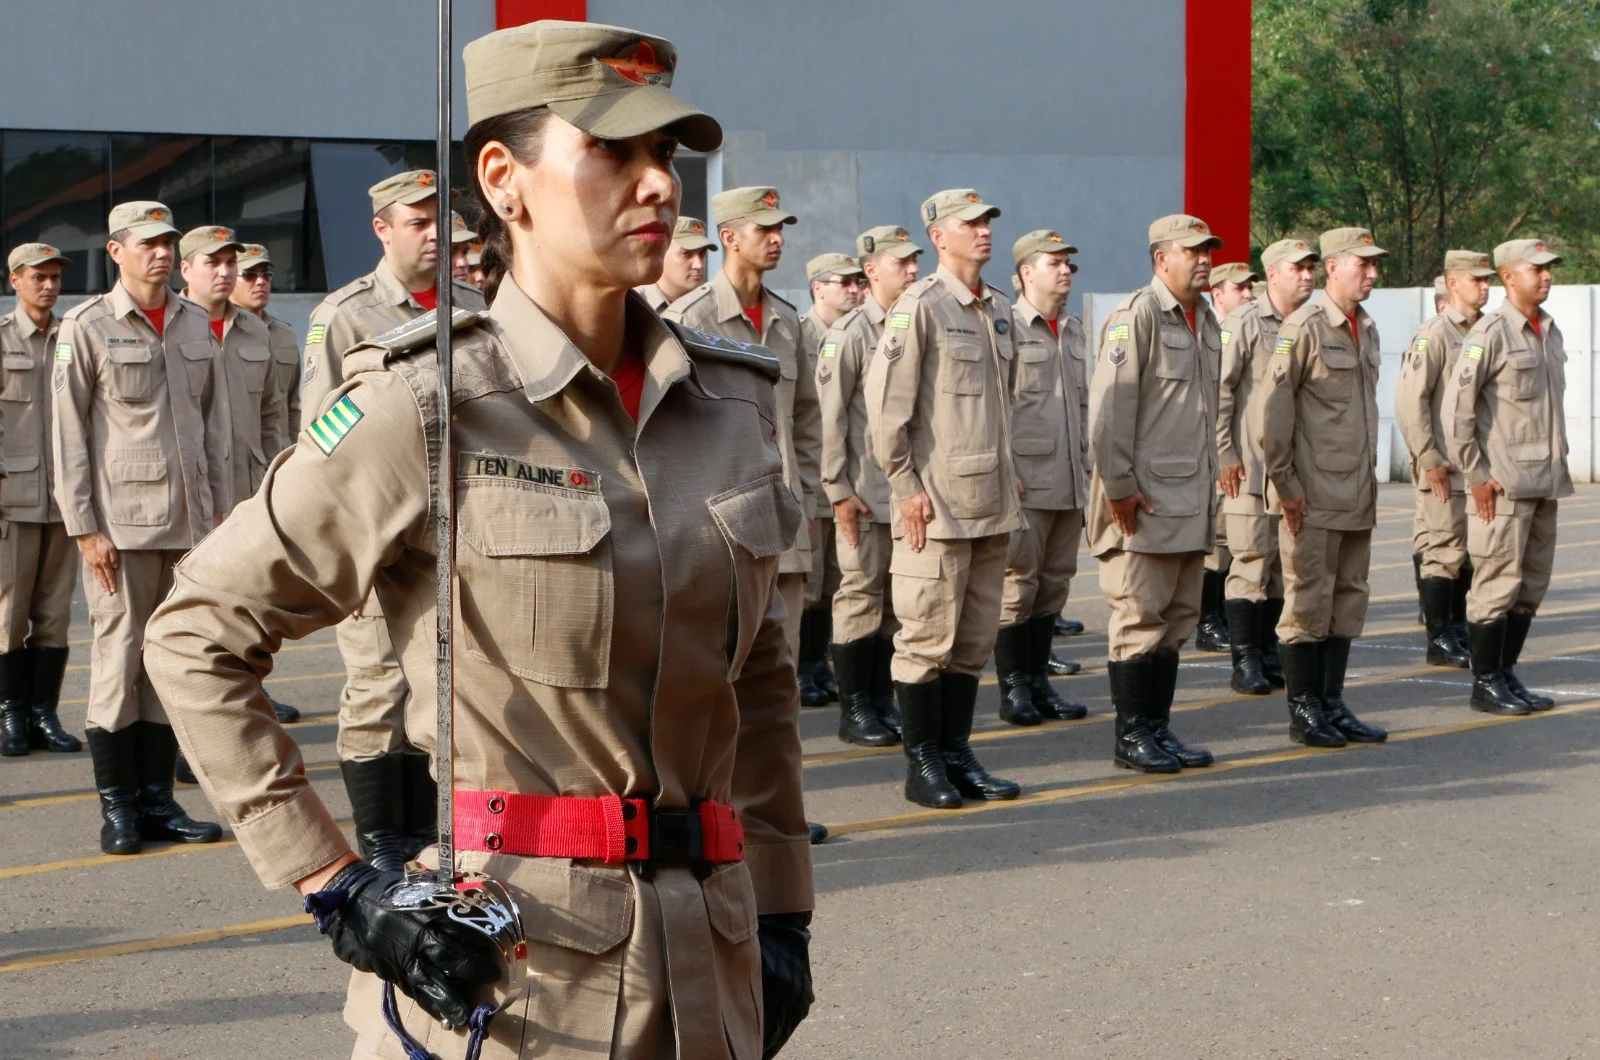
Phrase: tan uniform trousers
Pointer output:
(372, 707)
(1419, 531)
(792, 587)
(1257, 571)
(38, 570)
(823, 581)
(947, 598)
(119, 692)
(1042, 559)
(861, 607)
(1221, 557)
(1325, 583)
(1444, 534)
(1511, 558)
(1154, 599)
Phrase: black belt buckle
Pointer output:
(676, 836)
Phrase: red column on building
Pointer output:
(1216, 177)
(519, 12)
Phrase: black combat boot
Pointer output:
(283, 712)
(958, 694)
(810, 694)
(1068, 627)
(818, 832)
(1166, 687)
(1244, 624)
(116, 778)
(1438, 596)
(1458, 605)
(927, 780)
(883, 684)
(821, 669)
(1490, 692)
(1133, 684)
(1416, 574)
(1517, 623)
(858, 714)
(16, 715)
(1335, 659)
(1268, 615)
(182, 772)
(1302, 675)
(1012, 666)
(376, 787)
(421, 804)
(1212, 632)
(160, 816)
(1049, 704)
(49, 666)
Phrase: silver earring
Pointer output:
(505, 208)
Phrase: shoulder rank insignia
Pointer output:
(1283, 347)
(329, 429)
(1472, 351)
(1118, 356)
(1119, 333)
(317, 334)
(830, 349)
(899, 322)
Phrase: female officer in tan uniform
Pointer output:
(622, 679)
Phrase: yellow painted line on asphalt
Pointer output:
(1543, 612)
(1560, 527)
(172, 850)
(166, 942)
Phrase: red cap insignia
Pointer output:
(639, 64)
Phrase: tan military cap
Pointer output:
(964, 204)
(1440, 288)
(690, 234)
(34, 254)
(837, 264)
(1040, 241)
(1184, 230)
(1357, 241)
(608, 81)
(142, 220)
(1470, 262)
(889, 239)
(459, 232)
(207, 239)
(1532, 250)
(1233, 272)
(252, 255)
(1286, 250)
(409, 187)
(749, 204)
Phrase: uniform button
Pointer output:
(493, 841)
(497, 805)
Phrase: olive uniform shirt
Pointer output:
(27, 493)
(1427, 365)
(1248, 335)
(653, 297)
(812, 333)
(1050, 410)
(254, 412)
(285, 345)
(849, 468)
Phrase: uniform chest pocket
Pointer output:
(1176, 359)
(1335, 379)
(961, 368)
(21, 488)
(19, 378)
(758, 520)
(131, 373)
(1524, 368)
(255, 363)
(197, 358)
(535, 583)
(1034, 368)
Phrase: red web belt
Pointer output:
(605, 828)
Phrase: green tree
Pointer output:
(1450, 123)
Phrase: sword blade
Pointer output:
(445, 528)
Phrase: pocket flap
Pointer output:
(140, 470)
(21, 462)
(1174, 466)
(788, 368)
(18, 362)
(570, 906)
(120, 354)
(255, 451)
(1034, 446)
(1523, 360)
(924, 564)
(1177, 338)
(1033, 352)
(254, 353)
(197, 351)
(1338, 357)
(1331, 458)
(731, 902)
(510, 519)
(965, 350)
(1523, 453)
(761, 517)
(975, 463)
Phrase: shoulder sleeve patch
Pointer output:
(1227, 336)
(64, 352)
(830, 349)
(1285, 344)
(331, 428)
(1421, 345)
(1119, 333)
(318, 333)
(1472, 351)
(899, 322)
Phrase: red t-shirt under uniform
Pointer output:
(629, 378)
(428, 299)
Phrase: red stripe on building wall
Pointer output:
(521, 12)
(1216, 173)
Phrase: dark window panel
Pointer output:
(54, 189)
(262, 188)
(173, 170)
(692, 172)
(341, 174)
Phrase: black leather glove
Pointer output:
(785, 976)
(434, 960)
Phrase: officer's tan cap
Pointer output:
(608, 81)
(1184, 230)
(252, 256)
(1040, 241)
(964, 204)
(1532, 250)
(1285, 250)
(459, 232)
(142, 220)
(749, 204)
(1470, 262)
(1357, 241)
(207, 239)
(1233, 272)
(690, 234)
(886, 239)
(837, 264)
(409, 187)
(34, 254)
(1440, 288)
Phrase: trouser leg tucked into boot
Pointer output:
(1212, 632)
(421, 804)
(1133, 684)
(47, 667)
(958, 695)
(883, 685)
(1244, 625)
(1490, 692)
(116, 779)
(1302, 675)
(810, 694)
(1268, 614)
(821, 669)
(1335, 660)
(927, 780)
(1011, 664)
(1438, 599)
(1416, 576)
(376, 787)
(858, 713)
(16, 716)
(1166, 687)
(160, 816)
(1049, 704)
(1458, 605)
(1517, 624)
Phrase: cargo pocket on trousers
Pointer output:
(534, 581)
(731, 907)
(138, 488)
(759, 521)
(971, 489)
(918, 588)
(21, 488)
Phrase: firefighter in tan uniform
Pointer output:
(645, 691)
(863, 613)
(1254, 591)
(1319, 424)
(462, 238)
(938, 413)
(1444, 575)
(685, 266)
(36, 556)
(139, 429)
(1505, 430)
(253, 291)
(390, 787)
(1049, 389)
(1150, 513)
